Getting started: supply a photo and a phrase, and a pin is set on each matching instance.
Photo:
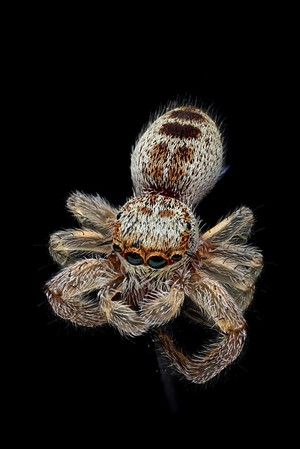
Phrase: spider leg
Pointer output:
(237, 267)
(93, 212)
(235, 228)
(121, 315)
(162, 306)
(69, 291)
(69, 294)
(65, 245)
(219, 309)
(228, 259)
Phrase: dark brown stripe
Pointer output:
(162, 190)
(181, 131)
(188, 114)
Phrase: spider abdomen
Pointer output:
(180, 154)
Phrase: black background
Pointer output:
(82, 106)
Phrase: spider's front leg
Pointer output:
(87, 293)
(223, 313)
(97, 218)
(65, 246)
(162, 306)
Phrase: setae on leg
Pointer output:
(222, 312)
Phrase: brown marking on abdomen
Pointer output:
(179, 130)
(188, 114)
(158, 157)
(175, 171)
(182, 156)
(184, 153)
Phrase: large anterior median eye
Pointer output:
(157, 262)
(134, 258)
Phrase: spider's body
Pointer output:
(139, 266)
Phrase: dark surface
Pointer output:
(80, 131)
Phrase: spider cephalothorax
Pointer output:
(155, 230)
(139, 266)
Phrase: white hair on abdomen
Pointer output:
(180, 154)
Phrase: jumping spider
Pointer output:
(137, 267)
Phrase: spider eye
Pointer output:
(119, 215)
(176, 257)
(134, 258)
(188, 226)
(117, 248)
(156, 262)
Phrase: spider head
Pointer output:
(155, 231)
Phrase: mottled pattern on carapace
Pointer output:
(179, 153)
(169, 228)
